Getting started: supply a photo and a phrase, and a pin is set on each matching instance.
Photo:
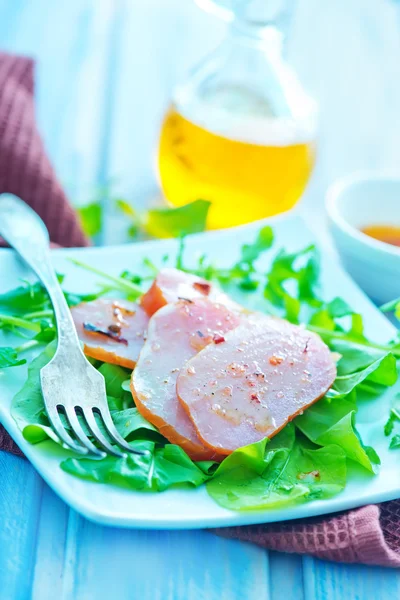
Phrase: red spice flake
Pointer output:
(255, 398)
(202, 287)
(275, 360)
(218, 339)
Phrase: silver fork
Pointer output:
(70, 384)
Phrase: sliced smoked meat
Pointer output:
(172, 284)
(249, 386)
(175, 334)
(111, 330)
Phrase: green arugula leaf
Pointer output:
(333, 422)
(308, 277)
(73, 298)
(333, 337)
(264, 241)
(91, 218)
(278, 473)
(131, 425)
(156, 470)
(9, 358)
(27, 408)
(393, 306)
(166, 222)
(395, 442)
(382, 371)
(47, 331)
(292, 279)
(120, 284)
(338, 308)
(322, 318)
(126, 208)
(114, 376)
(354, 357)
(27, 296)
(394, 417)
(306, 460)
(175, 222)
(30, 299)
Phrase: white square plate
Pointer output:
(176, 509)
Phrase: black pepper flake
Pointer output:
(200, 334)
(107, 333)
(185, 299)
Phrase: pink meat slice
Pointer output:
(247, 388)
(172, 284)
(175, 334)
(112, 331)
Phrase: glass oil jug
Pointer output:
(241, 130)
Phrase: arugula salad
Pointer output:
(308, 458)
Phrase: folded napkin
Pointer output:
(369, 535)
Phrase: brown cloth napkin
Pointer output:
(25, 169)
(369, 535)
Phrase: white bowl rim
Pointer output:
(335, 191)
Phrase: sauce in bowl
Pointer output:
(384, 233)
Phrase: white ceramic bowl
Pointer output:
(355, 202)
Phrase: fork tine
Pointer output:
(97, 433)
(79, 432)
(113, 432)
(64, 436)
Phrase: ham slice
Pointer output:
(265, 373)
(171, 284)
(175, 334)
(112, 331)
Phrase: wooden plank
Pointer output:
(348, 60)
(71, 42)
(20, 505)
(51, 547)
(332, 581)
(286, 576)
(169, 565)
(101, 562)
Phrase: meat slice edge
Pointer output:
(265, 373)
(175, 334)
(112, 331)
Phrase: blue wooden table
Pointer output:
(106, 69)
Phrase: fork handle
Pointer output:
(25, 231)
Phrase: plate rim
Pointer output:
(230, 518)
